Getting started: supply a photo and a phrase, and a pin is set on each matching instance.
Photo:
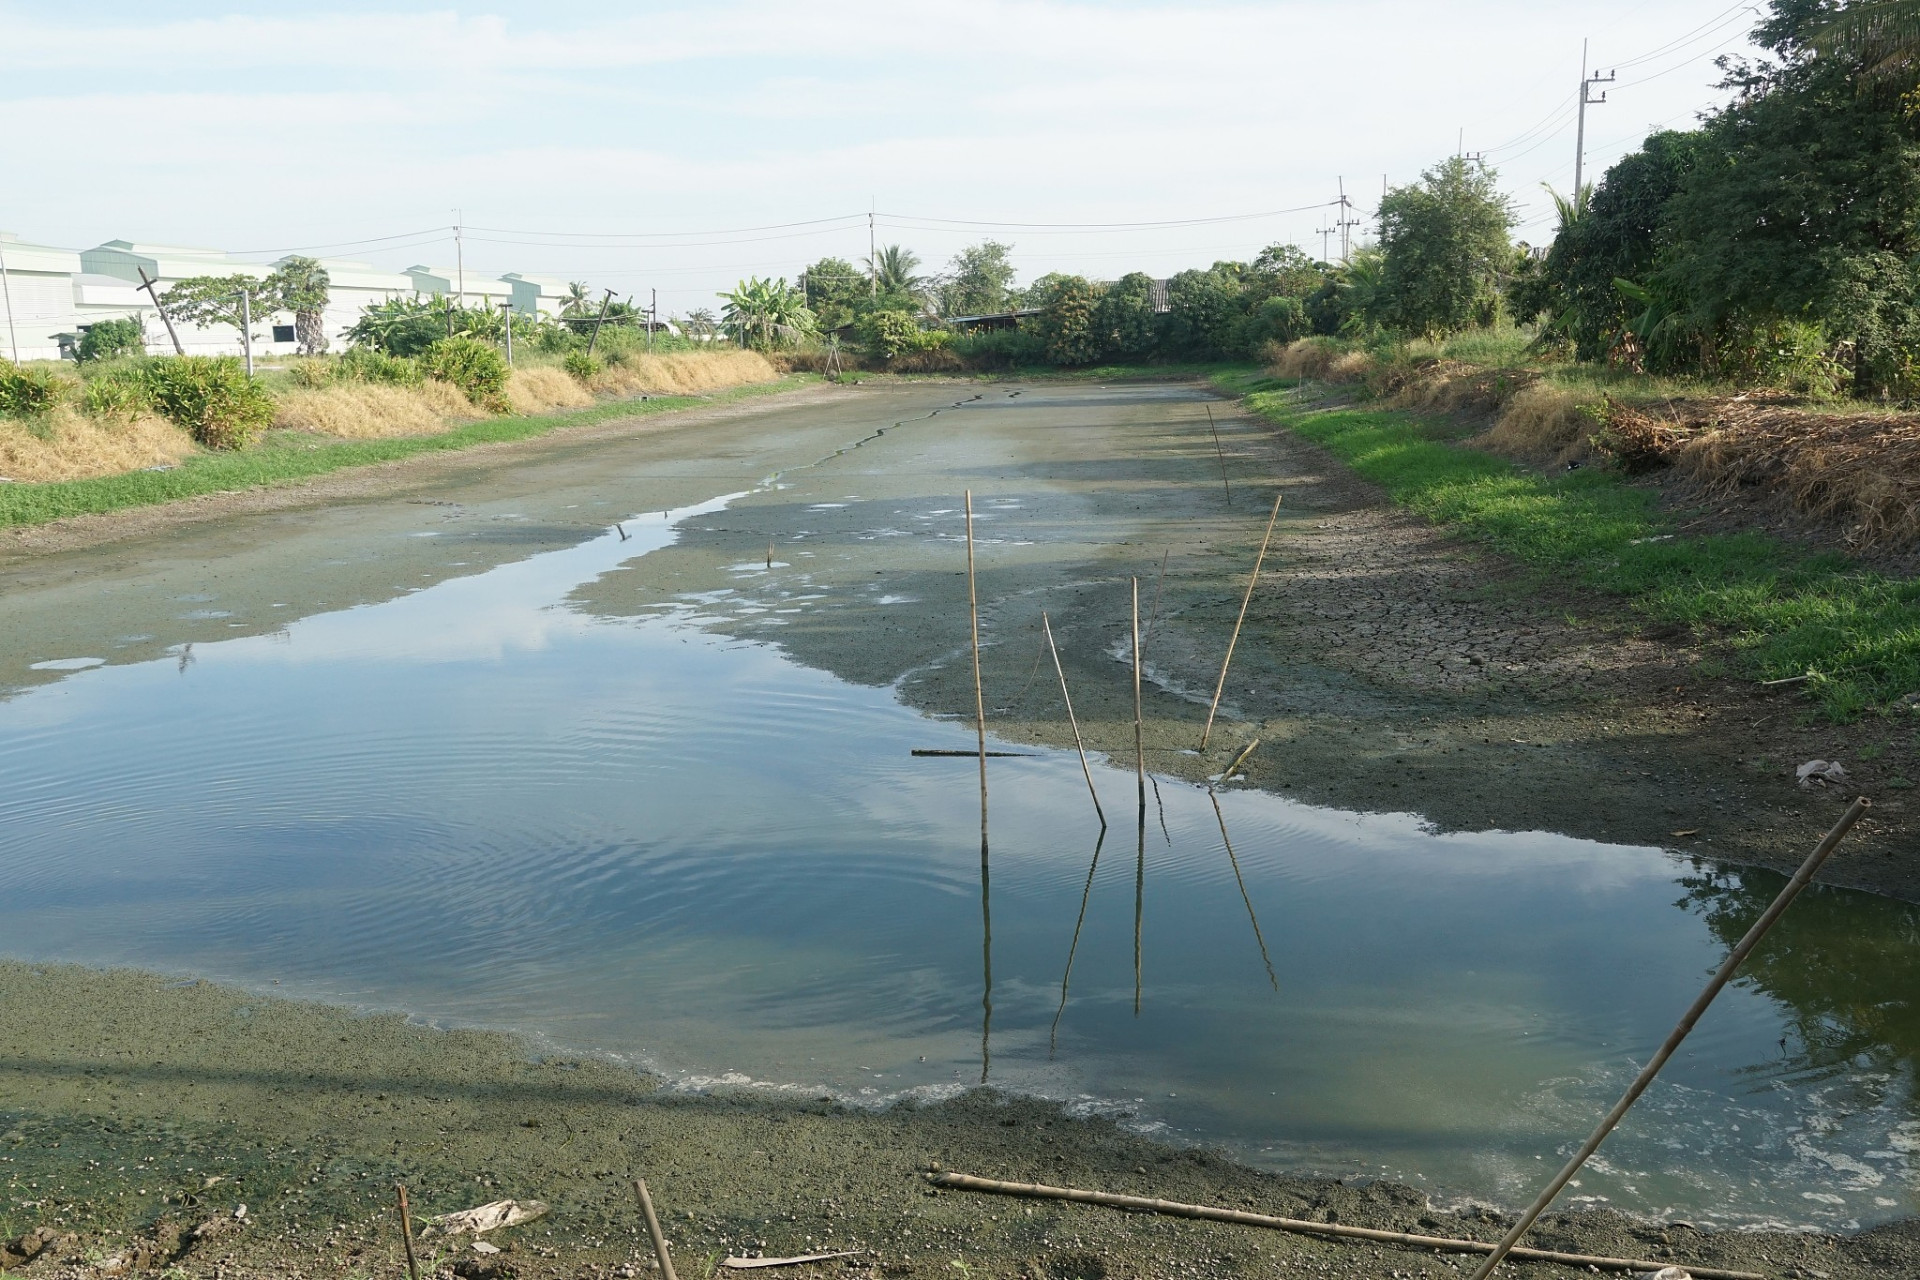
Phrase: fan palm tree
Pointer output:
(1881, 37)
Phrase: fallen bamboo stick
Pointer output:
(1080, 746)
(1443, 1244)
(406, 1231)
(653, 1228)
(1219, 453)
(1742, 949)
(1240, 759)
(946, 751)
(1245, 600)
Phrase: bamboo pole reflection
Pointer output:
(1239, 880)
(1053, 1035)
(1139, 895)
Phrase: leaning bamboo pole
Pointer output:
(1080, 746)
(1245, 600)
(1740, 952)
(1442, 1244)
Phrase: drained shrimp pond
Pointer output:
(613, 748)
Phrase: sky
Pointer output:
(684, 146)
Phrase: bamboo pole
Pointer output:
(1245, 600)
(406, 1232)
(1139, 747)
(1153, 610)
(1208, 1213)
(979, 698)
(1240, 759)
(1740, 952)
(653, 1228)
(1219, 453)
(1047, 628)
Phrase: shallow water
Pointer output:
(483, 803)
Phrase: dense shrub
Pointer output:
(30, 392)
(211, 397)
(108, 339)
(475, 367)
(1066, 324)
(1000, 349)
(581, 365)
(363, 364)
(117, 391)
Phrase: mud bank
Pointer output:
(137, 1108)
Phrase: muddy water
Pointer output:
(556, 770)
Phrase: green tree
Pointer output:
(979, 280)
(1803, 207)
(835, 290)
(1125, 320)
(892, 275)
(1203, 307)
(1606, 233)
(1065, 325)
(212, 300)
(300, 285)
(1878, 39)
(107, 339)
(578, 300)
(1445, 245)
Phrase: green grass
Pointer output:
(286, 456)
(1784, 612)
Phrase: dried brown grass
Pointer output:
(70, 446)
(543, 388)
(683, 373)
(1860, 472)
(1543, 424)
(1448, 386)
(1321, 359)
(366, 410)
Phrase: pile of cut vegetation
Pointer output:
(1859, 471)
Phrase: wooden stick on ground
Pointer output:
(653, 1228)
(1444, 1244)
(1067, 698)
(1219, 453)
(1740, 952)
(1240, 759)
(1153, 610)
(406, 1232)
(1245, 600)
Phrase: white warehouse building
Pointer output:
(51, 295)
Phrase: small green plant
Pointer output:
(30, 393)
(210, 396)
(109, 339)
(116, 392)
(364, 364)
(581, 365)
(311, 373)
(471, 365)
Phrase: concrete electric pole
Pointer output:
(1580, 131)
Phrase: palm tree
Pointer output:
(579, 300)
(765, 313)
(1882, 37)
(892, 272)
(1571, 208)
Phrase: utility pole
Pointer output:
(1324, 233)
(246, 328)
(506, 314)
(599, 320)
(6, 288)
(653, 319)
(873, 264)
(1580, 133)
(148, 283)
(1346, 223)
(459, 254)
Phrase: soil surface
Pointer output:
(1383, 667)
(147, 1123)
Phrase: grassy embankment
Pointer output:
(1781, 611)
(284, 456)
